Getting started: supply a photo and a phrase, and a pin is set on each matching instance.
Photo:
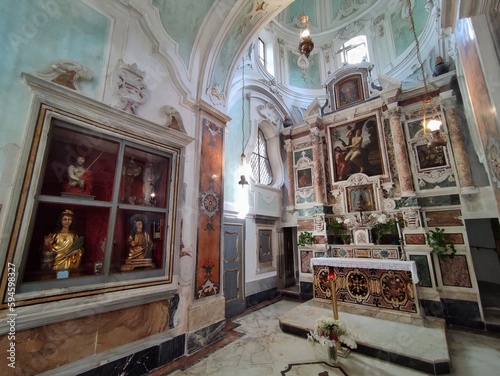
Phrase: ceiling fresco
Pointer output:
(218, 51)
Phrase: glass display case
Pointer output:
(100, 211)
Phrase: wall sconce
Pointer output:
(306, 45)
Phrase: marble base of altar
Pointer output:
(369, 285)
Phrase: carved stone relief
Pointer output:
(319, 222)
(268, 111)
(129, 87)
(411, 217)
(378, 23)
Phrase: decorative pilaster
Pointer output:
(289, 172)
(448, 102)
(319, 189)
(400, 153)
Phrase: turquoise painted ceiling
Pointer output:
(240, 21)
(182, 21)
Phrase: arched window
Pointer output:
(259, 161)
(355, 50)
(262, 51)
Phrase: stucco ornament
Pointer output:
(216, 95)
(129, 87)
(493, 157)
(174, 119)
(66, 73)
(268, 111)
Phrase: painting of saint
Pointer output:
(348, 92)
(431, 157)
(356, 149)
(360, 198)
(304, 178)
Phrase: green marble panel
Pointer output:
(439, 200)
(423, 271)
(308, 153)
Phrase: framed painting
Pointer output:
(348, 92)
(431, 157)
(360, 198)
(304, 178)
(265, 245)
(356, 148)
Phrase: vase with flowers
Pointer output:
(338, 229)
(328, 332)
(386, 224)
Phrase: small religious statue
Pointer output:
(150, 177)
(130, 171)
(63, 248)
(80, 179)
(139, 245)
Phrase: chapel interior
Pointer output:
(167, 166)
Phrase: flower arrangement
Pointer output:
(337, 226)
(329, 331)
(385, 224)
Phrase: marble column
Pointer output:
(289, 170)
(319, 188)
(448, 102)
(400, 152)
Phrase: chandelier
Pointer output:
(306, 45)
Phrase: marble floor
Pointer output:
(259, 347)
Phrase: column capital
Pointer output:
(315, 134)
(394, 113)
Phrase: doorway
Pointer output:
(289, 236)
(484, 244)
(233, 258)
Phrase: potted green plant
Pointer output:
(439, 243)
(338, 229)
(305, 238)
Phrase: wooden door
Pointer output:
(233, 275)
(288, 244)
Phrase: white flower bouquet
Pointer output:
(329, 331)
